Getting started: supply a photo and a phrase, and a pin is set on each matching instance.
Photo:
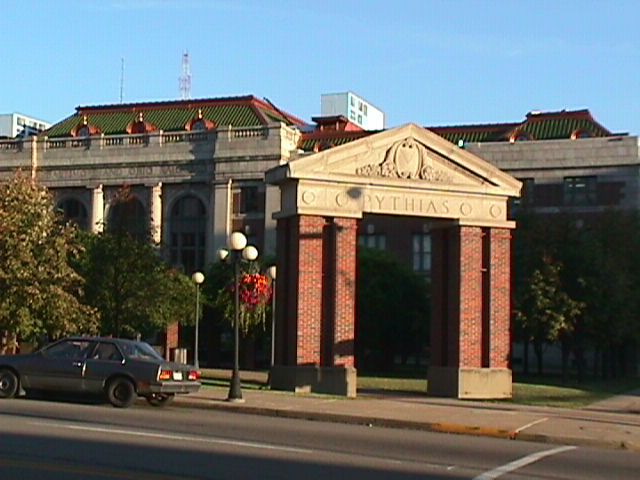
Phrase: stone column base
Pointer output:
(470, 383)
(313, 379)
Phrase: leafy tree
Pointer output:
(546, 312)
(135, 291)
(393, 310)
(39, 290)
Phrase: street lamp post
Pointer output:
(239, 251)
(197, 278)
(271, 271)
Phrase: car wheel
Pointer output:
(9, 383)
(160, 399)
(121, 392)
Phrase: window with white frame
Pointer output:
(580, 191)
(421, 249)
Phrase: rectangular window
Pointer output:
(246, 200)
(580, 191)
(364, 108)
(373, 240)
(527, 193)
(359, 118)
(421, 249)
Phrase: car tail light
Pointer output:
(165, 375)
(194, 375)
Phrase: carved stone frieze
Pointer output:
(408, 159)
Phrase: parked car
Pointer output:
(120, 369)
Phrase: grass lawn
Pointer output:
(531, 390)
(540, 391)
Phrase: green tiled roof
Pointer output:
(310, 141)
(475, 133)
(173, 116)
(536, 126)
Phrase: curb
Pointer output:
(343, 418)
(450, 428)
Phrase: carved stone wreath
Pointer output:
(406, 159)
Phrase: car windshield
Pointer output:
(140, 351)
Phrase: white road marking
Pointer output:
(528, 425)
(219, 441)
(522, 462)
(236, 443)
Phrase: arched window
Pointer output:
(580, 133)
(74, 211)
(520, 136)
(187, 227)
(128, 216)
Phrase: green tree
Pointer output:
(546, 311)
(393, 310)
(134, 290)
(39, 290)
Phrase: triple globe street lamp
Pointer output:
(237, 251)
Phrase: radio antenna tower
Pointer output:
(185, 78)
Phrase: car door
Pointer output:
(105, 360)
(61, 366)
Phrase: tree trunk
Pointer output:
(525, 355)
(8, 343)
(565, 361)
(537, 346)
(579, 353)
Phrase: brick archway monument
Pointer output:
(406, 171)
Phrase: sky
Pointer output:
(430, 62)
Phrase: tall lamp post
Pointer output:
(197, 278)
(271, 271)
(239, 251)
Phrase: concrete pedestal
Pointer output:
(313, 379)
(470, 383)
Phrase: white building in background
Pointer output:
(18, 125)
(353, 107)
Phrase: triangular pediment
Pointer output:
(408, 155)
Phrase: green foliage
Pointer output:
(545, 309)
(393, 310)
(585, 271)
(39, 290)
(132, 287)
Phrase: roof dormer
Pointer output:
(140, 125)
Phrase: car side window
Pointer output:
(72, 349)
(107, 351)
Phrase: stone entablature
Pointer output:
(352, 201)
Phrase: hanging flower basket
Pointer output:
(254, 298)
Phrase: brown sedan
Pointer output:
(120, 369)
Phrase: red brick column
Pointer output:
(500, 297)
(172, 339)
(309, 289)
(344, 291)
(470, 296)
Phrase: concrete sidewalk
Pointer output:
(613, 423)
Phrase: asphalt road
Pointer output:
(93, 441)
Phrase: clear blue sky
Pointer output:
(424, 61)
